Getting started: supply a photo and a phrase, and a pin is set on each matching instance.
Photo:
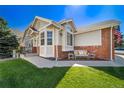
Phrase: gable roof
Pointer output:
(48, 20)
(97, 26)
(42, 18)
(51, 22)
(67, 21)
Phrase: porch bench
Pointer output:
(81, 53)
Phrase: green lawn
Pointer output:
(19, 73)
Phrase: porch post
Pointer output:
(56, 45)
(56, 53)
(111, 43)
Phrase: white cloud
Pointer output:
(76, 12)
(73, 11)
(79, 14)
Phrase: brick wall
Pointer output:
(34, 49)
(61, 54)
(102, 52)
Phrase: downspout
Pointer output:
(111, 39)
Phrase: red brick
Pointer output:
(34, 49)
(61, 54)
(102, 52)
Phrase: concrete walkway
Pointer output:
(45, 63)
(6, 59)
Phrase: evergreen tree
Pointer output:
(8, 41)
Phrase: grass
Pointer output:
(19, 73)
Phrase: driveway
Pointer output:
(119, 59)
(45, 63)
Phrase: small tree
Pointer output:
(8, 41)
(122, 43)
(118, 37)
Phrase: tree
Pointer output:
(118, 37)
(8, 41)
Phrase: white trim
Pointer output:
(111, 50)
(93, 38)
(44, 27)
(53, 42)
(70, 32)
(42, 53)
(65, 21)
(43, 32)
(44, 19)
(47, 37)
(45, 42)
(97, 26)
(57, 38)
(101, 36)
(69, 38)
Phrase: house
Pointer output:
(19, 35)
(52, 39)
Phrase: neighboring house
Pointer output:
(19, 35)
(56, 39)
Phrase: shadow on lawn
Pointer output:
(114, 71)
(20, 74)
(53, 76)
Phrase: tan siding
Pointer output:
(88, 39)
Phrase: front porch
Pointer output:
(46, 63)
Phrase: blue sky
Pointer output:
(19, 17)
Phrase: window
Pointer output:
(68, 28)
(69, 39)
(42, 38)
(31, 43)
(34, 42)
(49, 37)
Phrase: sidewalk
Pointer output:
(5, 59)
(45, 63)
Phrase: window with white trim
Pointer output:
(42, 38)
(68, 28)
(49, 37)
(69, 39)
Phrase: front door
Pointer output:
(30, 46)
(49, 44)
